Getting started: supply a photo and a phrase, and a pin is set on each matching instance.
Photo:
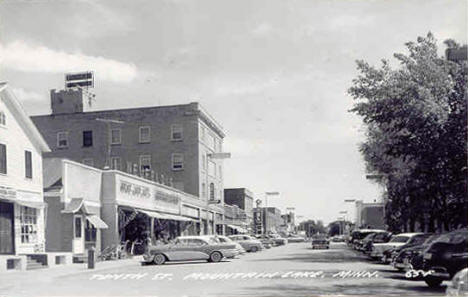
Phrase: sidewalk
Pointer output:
(70, 269)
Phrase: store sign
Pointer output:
(134, 190)
(166, 197)
(190, 212)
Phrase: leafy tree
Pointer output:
(416, 135)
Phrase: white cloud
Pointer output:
(350, 21)
(25, 95)
(21, 56)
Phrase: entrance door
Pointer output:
(78, 238)
(7, 245)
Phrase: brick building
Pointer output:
(172, 145)
(242, 198)
(270, 218)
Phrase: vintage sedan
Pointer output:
(320, 241)
(249, 243)
(380, 251)
(225, 239)
(190, 248)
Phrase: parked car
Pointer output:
(320, 241)
(380, 251)
(377, 237)
(295, 238)
(337, 238)
(410, 257)
(459, 284)
(445, 257)
(189, 248)
(266, 242)
(358, 235)
(277, 239)
(225, 239)
(249, 243)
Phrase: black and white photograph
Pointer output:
(233, 148)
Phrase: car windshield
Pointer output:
(418, 239)
(369, 237)
(399, 239)
(380, 236)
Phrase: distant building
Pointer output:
(22, 207)
(370, 215)
(243, 198)
(177, 145)
(268, 218)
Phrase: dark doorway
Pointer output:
(7, 245)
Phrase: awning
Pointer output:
(74, 205)
(32, 204)
(153, 214)
(179, 218)
(238, 229)
(97, 222)
(165, 216)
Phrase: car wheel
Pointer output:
(433, 282)
(159, 259)
(215, 257)
(328, 247)
(254, 249)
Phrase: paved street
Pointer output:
(292, 270)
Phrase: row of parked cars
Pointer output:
(427, 256)
(212, 248)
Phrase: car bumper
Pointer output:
(230, 253)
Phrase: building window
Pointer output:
(87, 138)
(28, 164)
(88, 161)
(90, 232)
(211, 141)
(115, 163)
(177, 161)
(176, 132)
(116, 136)
(145, 135)
(62, 139)
(211, 168)
(28, 221)
(203, 187)
(2, 119)
(3, 159)
(212, 191)
(145, 163)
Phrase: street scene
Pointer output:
(233, 148)
(292, 270)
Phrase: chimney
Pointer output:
(66, 101)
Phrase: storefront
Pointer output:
(73, 216)
(21, 222)
(138, 209)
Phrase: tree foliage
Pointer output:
(416, 135)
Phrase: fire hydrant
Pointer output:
(91, 259)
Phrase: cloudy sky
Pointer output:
(273, 72)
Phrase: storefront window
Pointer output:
(28, 219)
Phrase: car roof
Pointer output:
(409, 234)
(196, 237)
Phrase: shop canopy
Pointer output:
(164, 216)
(75, 205)
(238, 229)
(97, 222)
(32, 204)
